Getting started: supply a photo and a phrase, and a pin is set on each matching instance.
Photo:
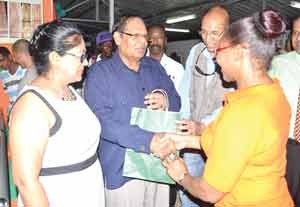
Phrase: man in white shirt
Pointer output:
(157, 48)
(286, 68)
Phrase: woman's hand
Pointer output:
(189, 127)
(184, 141)
(176, 168)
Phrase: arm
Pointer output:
(194, 185)
(115, 122)
(27, 151)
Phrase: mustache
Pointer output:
(155, 47)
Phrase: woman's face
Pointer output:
(73, 62)
(225, 55)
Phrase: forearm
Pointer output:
(32, 194)
(200, 189)
(192, 142)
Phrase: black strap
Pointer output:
(58, 120)
(69, 168)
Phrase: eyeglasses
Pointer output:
(82, 57)
(136, 36)
(200, 71)
(212, 34)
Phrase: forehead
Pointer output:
(296, 25)
(214, 21)
(135, 24)
(156, 30)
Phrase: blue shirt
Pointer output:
(111, 90)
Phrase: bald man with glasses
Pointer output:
(202, 87)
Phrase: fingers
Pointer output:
(161, 147)
(155, 101)
(185, 127)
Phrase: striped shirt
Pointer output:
(11, 82)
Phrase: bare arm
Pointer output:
(194, 185)
(29, 128)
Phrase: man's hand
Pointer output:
(162, 146)
(155, 101)
(189, 127)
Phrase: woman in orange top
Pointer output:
(246, 144)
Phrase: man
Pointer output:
(22, 56)
(104, 44)
(157, 48)
(112, 88)
(11, 74)
(286, 68)
(201, 89)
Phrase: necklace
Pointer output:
(68, 95)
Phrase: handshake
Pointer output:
(166, 145)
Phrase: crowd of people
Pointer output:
(239, 136)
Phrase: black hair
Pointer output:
(260, 31)
(121, 25)
(55, 36)
(4, 52)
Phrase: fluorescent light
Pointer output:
(172, 20)
(177, 30)
(295, 4)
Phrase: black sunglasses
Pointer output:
(198, 69)
(82, 57)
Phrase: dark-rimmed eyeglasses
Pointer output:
(82, 57)
(136, 36)
(198, 69)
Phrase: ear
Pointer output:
(117, 38)
(54, 58)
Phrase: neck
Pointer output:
(256, 78)
(131, 63)
(157, 56)
(12, 68)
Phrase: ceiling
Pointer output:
(93, 15)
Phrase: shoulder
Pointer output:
(197, 47)
(280, 63)
(172, 62)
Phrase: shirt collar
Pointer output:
(241, 93)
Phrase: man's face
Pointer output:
(132, 42)
(296, 36)
(4, 62)
(157, 40)
(106, 49)
(19, 58)
(212, 29)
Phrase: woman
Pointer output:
(53, 133)
(245, 145)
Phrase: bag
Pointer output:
(146, 166)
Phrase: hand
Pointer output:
(155, 101)
(189, 127)
(175, 168)
(161, 146)
(184, 141)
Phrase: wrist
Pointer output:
(181, 179)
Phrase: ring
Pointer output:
(172, 157)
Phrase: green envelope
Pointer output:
(146, 166)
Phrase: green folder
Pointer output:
(146, 166)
